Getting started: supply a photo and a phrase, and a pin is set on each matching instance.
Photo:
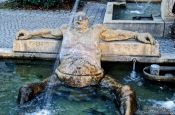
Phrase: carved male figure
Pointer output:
(80, 56)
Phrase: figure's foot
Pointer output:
(28, 92)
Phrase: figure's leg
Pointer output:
(124, 95)
(28, 92)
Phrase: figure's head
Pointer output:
(81, 21)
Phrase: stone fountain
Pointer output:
(114, 45)
(80, 57)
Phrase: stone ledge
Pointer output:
(165, 58)
(124, 48)
(129, 48)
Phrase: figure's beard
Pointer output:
(83, 28)
(80, 28)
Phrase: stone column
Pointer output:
(166, 10)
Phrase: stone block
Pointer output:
(129, 48)
(37, 45)
(51, 46)
(168, 25)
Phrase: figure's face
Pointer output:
(81, 22)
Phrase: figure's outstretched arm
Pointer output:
(113, 35)
(44, 33)
(30, 91)
(123, 93)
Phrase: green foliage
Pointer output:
(41, 3)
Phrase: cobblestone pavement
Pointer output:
(167, 46)
(12, 21)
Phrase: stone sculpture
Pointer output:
(80, 58)
(166, 10)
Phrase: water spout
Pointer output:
(133, 74)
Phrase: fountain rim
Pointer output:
(108, 18)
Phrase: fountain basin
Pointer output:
(151, 23)
(166, 74)
(15, 73)
(65, 100)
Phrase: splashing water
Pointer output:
(165, 105)
(136, 12)
(41, 112)
(74, 10)
(52, 78)
(141, 7)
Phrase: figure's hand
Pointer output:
(146, 38)
(23, 35)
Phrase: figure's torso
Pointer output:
(80, 57)
(80, 43)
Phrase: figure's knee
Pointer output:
(109, 82)
(127, 90)
(128, 95)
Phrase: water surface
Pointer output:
(65, 100)
(132, 10)
(152, 99)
